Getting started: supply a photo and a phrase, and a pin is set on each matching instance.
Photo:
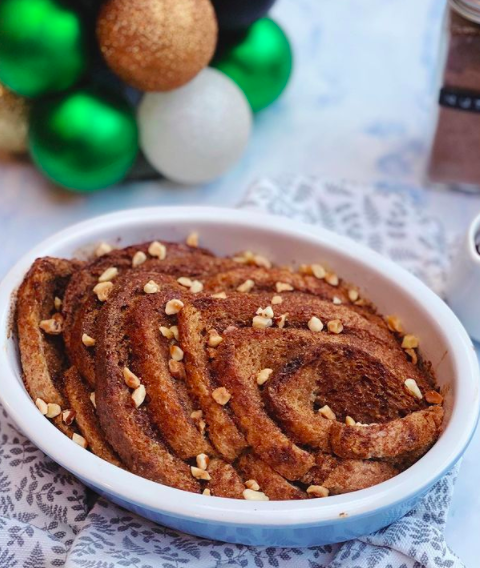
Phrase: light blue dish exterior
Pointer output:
(317, 534)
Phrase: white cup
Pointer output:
(463, 284)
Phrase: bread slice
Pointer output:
(42, 354)
(129, 429)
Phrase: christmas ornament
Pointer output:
(236, 14)
(157, 45)
(13, 121)
(85, 140)
(194, 134)
(42, 46)
(260, 63)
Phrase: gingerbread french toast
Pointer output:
(225, 376)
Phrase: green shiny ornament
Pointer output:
(85, 140)
(42, 46)
(260, 63)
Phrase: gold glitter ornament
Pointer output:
(157, 45)
(13, 121)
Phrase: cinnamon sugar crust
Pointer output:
(224, 375)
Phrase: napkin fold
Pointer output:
(49, 519)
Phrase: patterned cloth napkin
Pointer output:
(49, 519)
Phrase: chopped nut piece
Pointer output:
(327, 412)
(158, 250)
(336, 300)
(196, 287)
(138, 258)
(221, 395)
(276, 300)
(332, 279)
(262, 261)
(166, 332)
(246, 257)
(68, 416)
(315, 324)
(214, 339)
(173, 306)
(200, 473)
(93, 400)
(353, 295)
(413, 355)
(251, 495)
(192, 240)
(412, 387)
(174, 330)
(318, 491)
(263, 376)
(433, 397)
(410, 342)
(335, 326)
(394, 324)
(41, 405)
(280, 320)
(196, 416)
(260, 322)
(349, 421)
(318, 271)
(207, 492)
(80, 440)
(138, 395)
(151, 287)
(283, 287)
(252, 484)
(87, 340)
(177, 369)
(131, 380)
(202, 461)
(57, 302)
(108, 274)
(230, 328)
(53, 410)
(53, 326)
(176, 353)
(184, 281)
(219, 296)
(247, 286)
(103, 290)
(266, 313)
(103, 249)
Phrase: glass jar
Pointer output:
(455, 157)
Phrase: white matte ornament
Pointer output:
(197, 132)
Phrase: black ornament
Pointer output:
(238, 14)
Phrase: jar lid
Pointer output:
(469, 9)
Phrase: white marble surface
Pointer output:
(361, 105)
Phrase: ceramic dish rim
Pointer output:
(155, 497)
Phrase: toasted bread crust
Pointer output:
(225, 480)
(86, 418)
(271, 483)
(42, 355)
(416, 432)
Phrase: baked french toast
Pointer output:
(224, 376)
